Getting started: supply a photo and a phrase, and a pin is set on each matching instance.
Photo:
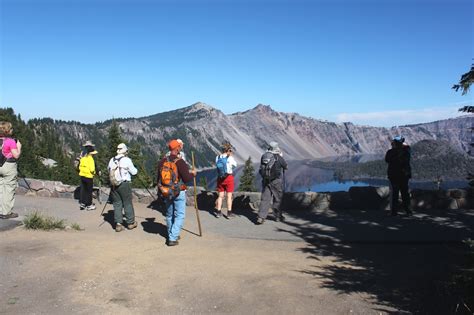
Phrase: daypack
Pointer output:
(115, 177)
(77, 163)
(268, 169)
(221, 166)
(168, 180)
(3, 158)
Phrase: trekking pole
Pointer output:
(100, 186)
(106, 202)
(24, 178)
(195, 198)
(145, 186)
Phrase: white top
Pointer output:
(231, 163)
(126, 167)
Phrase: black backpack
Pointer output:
(3, 158)
(268, 167)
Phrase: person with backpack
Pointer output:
(120, 170)
(87, 171)
(173, 174)
(225, 165)
(272, 165)
(11, 151)
(399, 173)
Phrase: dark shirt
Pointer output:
(398, 160)
(183, 170)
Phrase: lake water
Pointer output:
(304, 177)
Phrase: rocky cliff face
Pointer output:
(204, 128)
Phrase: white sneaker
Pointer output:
(91, 207)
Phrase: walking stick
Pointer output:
(24, 178)
(195, 198)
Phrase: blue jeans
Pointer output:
(175, 212)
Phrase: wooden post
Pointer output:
(195, 198)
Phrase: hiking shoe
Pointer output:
(260, 221)
(11, 215)
(119, 227)
(229, 215)
(132, 226)
(280, 218)
(217, 214)
(91, 207)
(82, 206)
(172, 243)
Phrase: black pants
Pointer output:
(86, 191)
(399, 185)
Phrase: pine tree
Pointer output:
(203, 182)
(247, 180)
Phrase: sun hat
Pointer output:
(174, 144)
(273, 147)
(398, 138)
(88, 144)
(122, 148)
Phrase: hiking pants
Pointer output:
(8, 183)
(87, 184)
(175, 213)
(272, 191)
(399, 185)
(122, 199)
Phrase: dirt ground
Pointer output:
(235, 268)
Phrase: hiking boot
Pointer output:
(230, 215)
(11, 215)
(280, 218)
(260, 221)
(82, 206)
(217, 213)
(119, 227)
(172, 243)
(91, 207)
(132, 226)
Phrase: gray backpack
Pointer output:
(115, 177)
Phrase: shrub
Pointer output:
(38, 221)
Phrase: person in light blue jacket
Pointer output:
(121, 167)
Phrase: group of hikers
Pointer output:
(174, 173)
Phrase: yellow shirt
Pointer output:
(87, 166)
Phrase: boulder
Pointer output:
(368, 198)
(457, 193)
(36, 184)
(446, 203)
(21, 190)
(43, 193)
(340, 200)
(246, 201)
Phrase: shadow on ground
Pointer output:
(404, 263)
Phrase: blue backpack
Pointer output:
(221, 166)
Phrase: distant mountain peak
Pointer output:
(200, 106)
(263, 108)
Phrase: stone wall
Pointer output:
(361, 198)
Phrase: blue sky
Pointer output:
(379, 62)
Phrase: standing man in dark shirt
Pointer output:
(176, 204)
(399, 173)
(272, 165)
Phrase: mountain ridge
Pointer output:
(203, 128)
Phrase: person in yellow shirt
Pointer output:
(87, 173)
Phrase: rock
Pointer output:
(457, 193)
(368, 198)
(43, 193)
(446, 203)
(21, 190)
(246, 201)
(340, 200)
(36, 184)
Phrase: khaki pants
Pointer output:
(8, 184)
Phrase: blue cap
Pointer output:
(398, 139)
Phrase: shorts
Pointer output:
(225, 184)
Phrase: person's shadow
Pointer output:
(150, 226)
